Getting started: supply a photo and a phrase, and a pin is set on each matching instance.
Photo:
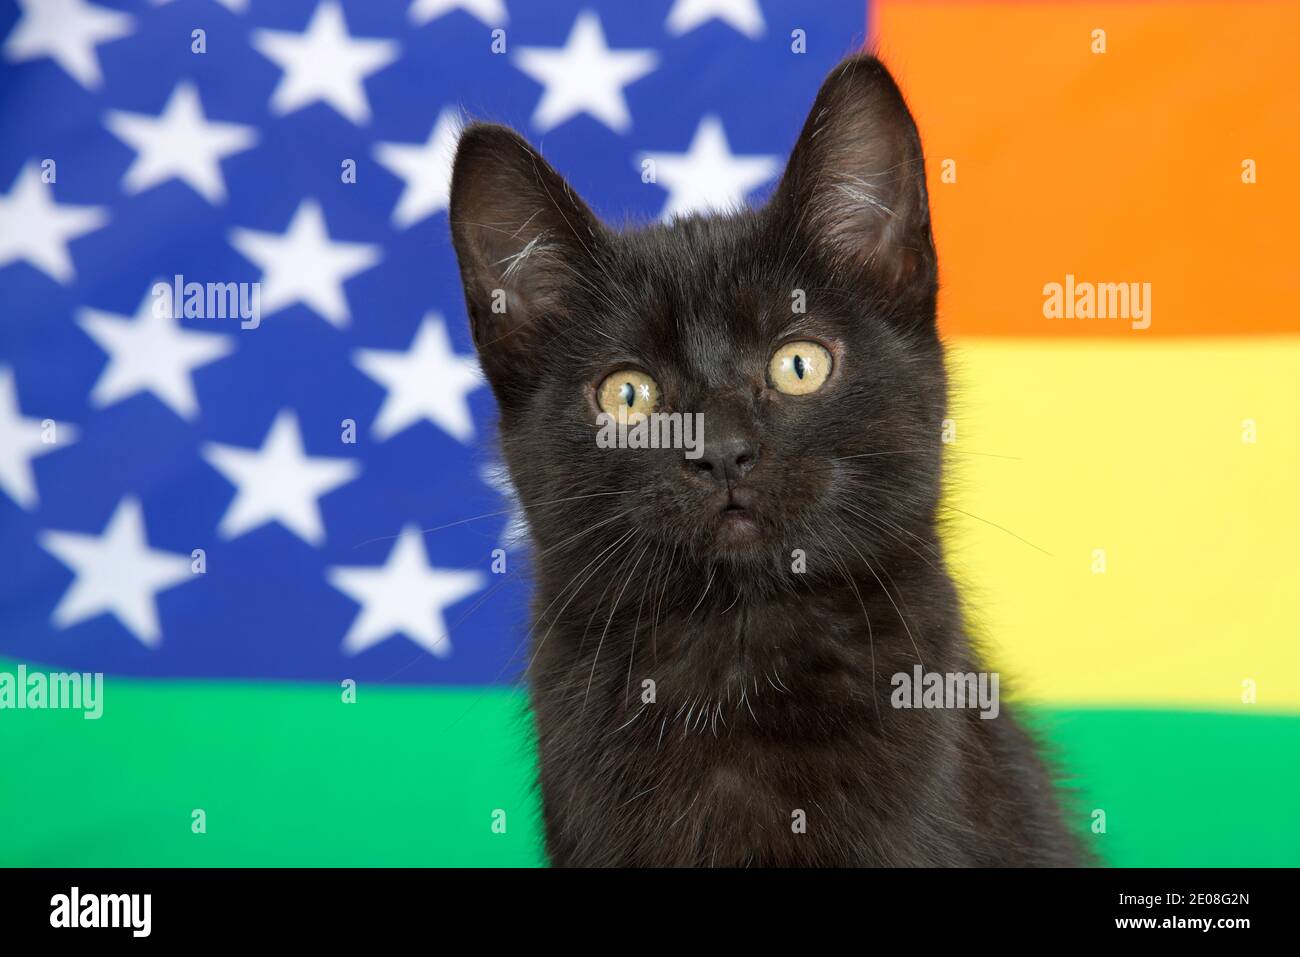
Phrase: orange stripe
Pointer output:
(1115, 167)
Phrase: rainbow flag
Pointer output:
(1124, 516)
(1111, 186)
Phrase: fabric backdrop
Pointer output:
(226, 520)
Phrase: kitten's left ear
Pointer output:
(526, 244)
(855, 183)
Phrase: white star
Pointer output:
(428, 381)
(278, 482)
(33, 227)
(426, 168)
(584, 75)
(180, 142)
(67, 31)
(743, 15)
(116, 572)
(22, 440)
(304, 265)
(234, 6)
(708, 177)
(150, 353)
(403, 596)
(324, 64)
(515, 532)
(490, 12)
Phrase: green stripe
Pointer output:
(290, 775)
(286, 774)
(1183, 788)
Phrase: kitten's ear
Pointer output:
(524, 241)
(855, 183)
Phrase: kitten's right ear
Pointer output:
(524, 241)
(855, 183)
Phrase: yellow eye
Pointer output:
(629, 390)
(798, 368)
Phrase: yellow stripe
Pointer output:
(1135, 449)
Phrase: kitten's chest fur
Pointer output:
(752, 732)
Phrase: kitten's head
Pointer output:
(803, 332)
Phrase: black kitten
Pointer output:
(716, 639)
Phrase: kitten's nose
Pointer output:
(726, 459)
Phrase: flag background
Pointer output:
(1072, 435)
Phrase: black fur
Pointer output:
(771, 689)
